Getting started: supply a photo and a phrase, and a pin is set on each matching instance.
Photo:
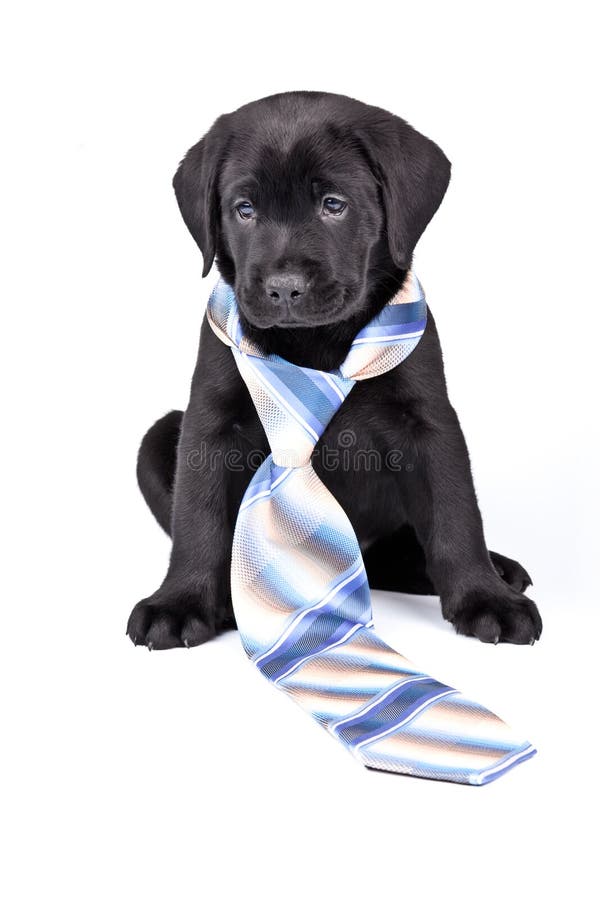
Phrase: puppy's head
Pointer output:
(312, 204)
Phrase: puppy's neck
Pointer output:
(322, 347)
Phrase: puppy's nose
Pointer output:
(287, 287)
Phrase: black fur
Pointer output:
(403, 473)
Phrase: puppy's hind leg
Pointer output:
(156, 466)
(396, 562)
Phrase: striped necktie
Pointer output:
(298, 583)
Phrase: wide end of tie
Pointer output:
(510, 761)
(439, 770)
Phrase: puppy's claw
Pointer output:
(150, 645)
(186, 644)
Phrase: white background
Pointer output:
(185, 774)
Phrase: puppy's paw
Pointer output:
(496, 615)
(511, 571)
(167, 620)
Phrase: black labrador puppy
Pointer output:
(312, 204)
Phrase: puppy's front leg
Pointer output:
(441, 505)
(193, 603)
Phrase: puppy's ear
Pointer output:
(196, 189)
(413, 174)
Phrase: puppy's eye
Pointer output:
(333, 206)
(245, 209)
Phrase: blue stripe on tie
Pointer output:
(256, 487)
(316, 631)
(278, 665)
(278, 379)
(392, 711)
(279, 475)
(236, 330)
(379, 698)
(330, 385)
(319, 624)
(397, 334)
(395, 330)
(396, 314)
(339, 589)
(311, 384)
(278, 400)
(349, 633)
(400, 312)
(307, 390)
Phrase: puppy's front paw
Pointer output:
(495, 615)
(167, 620)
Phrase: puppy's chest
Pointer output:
(365, 458)
(369, 420)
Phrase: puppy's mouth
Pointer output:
(325, 309)
(288, 323)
